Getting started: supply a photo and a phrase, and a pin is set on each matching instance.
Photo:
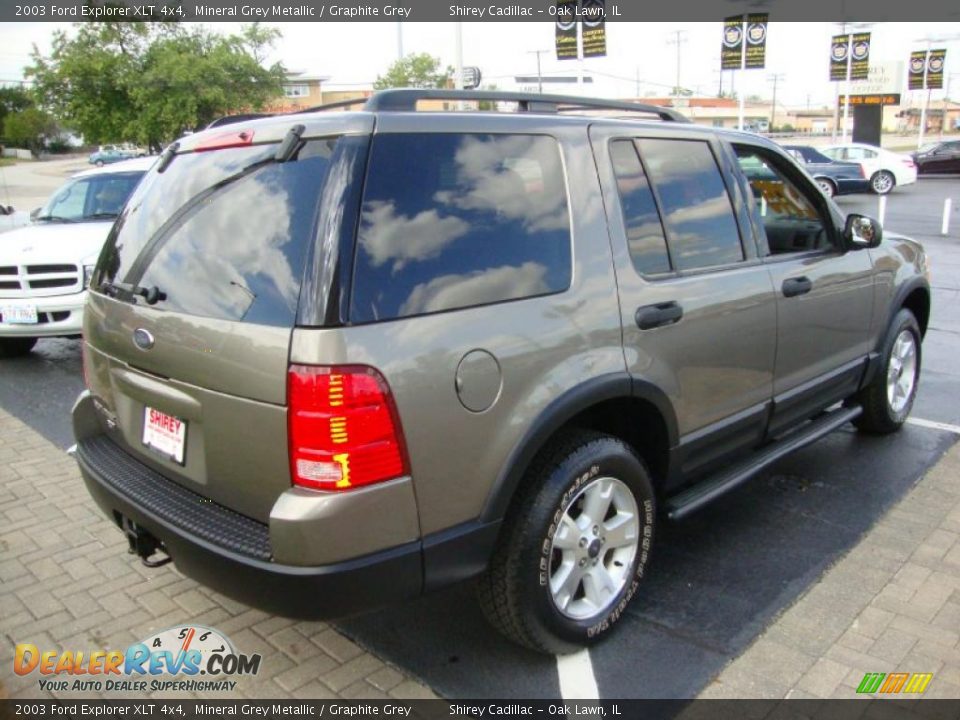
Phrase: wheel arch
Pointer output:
(636, 411)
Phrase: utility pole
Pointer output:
(399, 41)
(679, 40)
(539, 74)
(774, 78)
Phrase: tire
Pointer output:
(885, 410)
(883, 182)
(16, 347)
(829, 189)
(99, 163)
(523, 593)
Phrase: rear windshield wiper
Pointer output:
(100, 216)
(152, 295)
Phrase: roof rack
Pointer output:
(406, 99)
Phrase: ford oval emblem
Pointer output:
(143, 339)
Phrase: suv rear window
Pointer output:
(223, 234)
(458, 220)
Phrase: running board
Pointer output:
(689, 501)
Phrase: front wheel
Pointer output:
(889, 397)
(882, 182)
(15, 347)
(574, 549)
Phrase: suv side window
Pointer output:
(645, 237)
(457, 220)
(697, 212)
(788, 216)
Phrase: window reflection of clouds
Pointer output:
(487, 182)
(477, 288)
(388, 235)
(240, 234)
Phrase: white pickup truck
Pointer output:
(45, 266)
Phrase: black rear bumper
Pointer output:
(230, 552)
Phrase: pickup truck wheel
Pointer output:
(575, 547)
(15, 347)
(889, 397)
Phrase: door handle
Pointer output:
(652, 316)
(797, 286)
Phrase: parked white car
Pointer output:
(11, 219)
(886, 169)
(45, 268)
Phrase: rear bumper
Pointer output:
(325, 592)
(51, 311)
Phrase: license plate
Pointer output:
(164, 434)
(18, 314)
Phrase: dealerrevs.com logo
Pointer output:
(185, 652)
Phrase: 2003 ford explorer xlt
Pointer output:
(337, 359)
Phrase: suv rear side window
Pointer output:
(697, 212)
(458, 220)
(220, 241)
(645, 238)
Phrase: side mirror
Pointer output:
(34, 213)
(862, 232)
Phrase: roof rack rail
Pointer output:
(406, 99)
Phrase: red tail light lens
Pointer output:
(344, 431)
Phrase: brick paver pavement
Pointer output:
(66, 583)
(891, 605)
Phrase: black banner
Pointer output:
(839, 49)
(935, 62)
(860, 51)
(917, 70)
(594, 28)
(567, 29)
(756, 36)
(731, 51)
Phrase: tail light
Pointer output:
(344, 431)
(909, 163)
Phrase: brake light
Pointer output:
(235, 138)
(344, 431)
(909, 162)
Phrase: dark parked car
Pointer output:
(833, 177)
(939, 157)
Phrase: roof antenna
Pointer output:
(290, 144)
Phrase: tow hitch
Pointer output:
(143, 544)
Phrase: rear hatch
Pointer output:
(187, 328)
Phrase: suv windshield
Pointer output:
(220, 234)
(97, 197)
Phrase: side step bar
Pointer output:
(689, 501)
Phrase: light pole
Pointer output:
(539, 74)
(926, 101)
(774, 78)
(678, 41)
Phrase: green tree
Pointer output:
(30, 128)
(148, 82)
(416, 70)
(12, 100)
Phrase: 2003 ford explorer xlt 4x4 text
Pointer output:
(337, 359)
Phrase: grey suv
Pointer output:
(337, 359)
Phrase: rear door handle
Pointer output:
(797, 286)
(653, 316)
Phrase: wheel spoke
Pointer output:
(564, 583)
(620, 531)
(597, 501)
(598, 585)
(567, 534)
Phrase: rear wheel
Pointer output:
(889, 397)
(882, 182)
(15, 347)
(573, 551)
(829, 189)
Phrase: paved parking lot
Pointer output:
(718, 583)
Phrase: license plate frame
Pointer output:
(19, 314)
(165, 434)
